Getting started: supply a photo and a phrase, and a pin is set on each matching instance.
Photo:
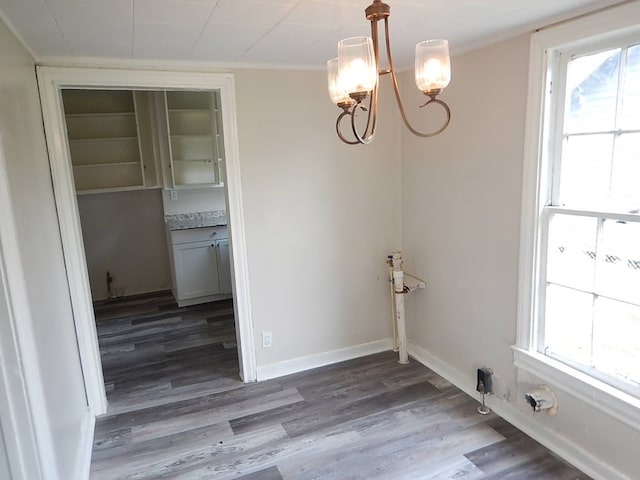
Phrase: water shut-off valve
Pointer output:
(542, 399)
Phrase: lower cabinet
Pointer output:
(201, 271)
(224, 265)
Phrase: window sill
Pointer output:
(600, 395)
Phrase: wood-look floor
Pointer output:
(177, 410)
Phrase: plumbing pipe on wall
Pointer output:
(398, 297)
(393, 301)
(401, 284)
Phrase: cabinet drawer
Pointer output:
(198, 235)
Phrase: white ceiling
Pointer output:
(296, 33)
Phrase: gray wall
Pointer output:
(124, 232)
(4, 461)
(41, 252)
(321, 216)
(461, 219)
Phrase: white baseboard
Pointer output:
(83, 462)
(321, 359)
(198, 300)
(564, 448)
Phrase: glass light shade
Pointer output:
(336, 91)
(357, 67)
(433, 67)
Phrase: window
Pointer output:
(589, 292)
(579, 291)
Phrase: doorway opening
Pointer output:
(165, 176)
(148, 169)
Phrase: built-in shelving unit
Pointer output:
(103, 140)
(195, 135)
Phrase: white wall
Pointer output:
(194, 200)
(461, 218)
(321, 216)
(41, 253)
(124, 233)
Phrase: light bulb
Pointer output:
(356, 65)
(433, 67)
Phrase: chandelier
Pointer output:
(354, 74)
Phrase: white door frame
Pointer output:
(51, 80)
(23, 415)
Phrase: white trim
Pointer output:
(301, 364)
(169, 65)
(72, 243)
(51, 80)
(531, 175)
(83, 460)
(23, 413)
(625, 217)
(548, 437)
(596, 393)
(617, 22)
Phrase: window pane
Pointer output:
(572, 251)
(625, 181)
(618, 274)
(568, 321)
(616, 339)
(592, 84)
(631, 100)
(585, 174)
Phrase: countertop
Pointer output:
(186, 221)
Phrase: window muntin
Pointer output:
(590, 286)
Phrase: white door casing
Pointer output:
(23, 415)
(51, 80)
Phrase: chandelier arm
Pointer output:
(340, 136)
(372, 116)
(396, 90)
(362, 139)
(372, 112)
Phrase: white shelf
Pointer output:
(190, 122)
(106, 190)
(194, 173)
(188, 110)
(203, 160)
(115, 164)
(82, 126)
(97, 101)
(107, 176)
(179, 100)
(105, 151)
(103, 140)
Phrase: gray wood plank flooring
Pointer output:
(177, 410)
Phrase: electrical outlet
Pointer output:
(174, 194)
(267, 340)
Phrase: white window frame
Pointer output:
(603, 28)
